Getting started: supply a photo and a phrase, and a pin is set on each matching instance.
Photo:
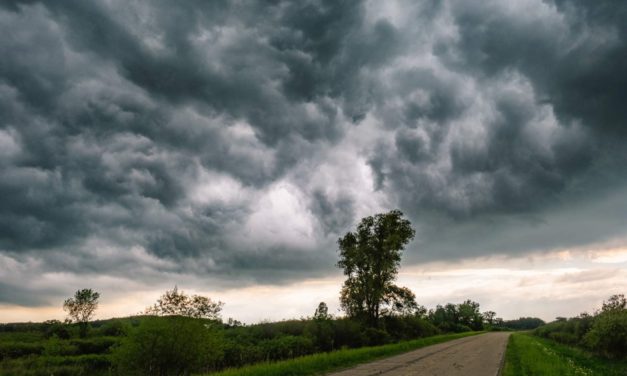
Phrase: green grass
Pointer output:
(528, 355)
(320, 363)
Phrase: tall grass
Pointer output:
(529, 356)
(326, 362)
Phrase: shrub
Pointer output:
(375, 337)
(287, 347)
(347, 333)
(404, 328)
(170, 345)
(608, 335)
(10, 350)
(114, 328)
(56, 328)
(321, 333)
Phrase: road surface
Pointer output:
(470, 356)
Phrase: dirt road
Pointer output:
(471, 356)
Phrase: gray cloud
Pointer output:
(238, 140)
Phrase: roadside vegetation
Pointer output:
(603, 333)
(529, 355)
(326, 362)
(589, 344)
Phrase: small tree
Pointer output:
(320, 329)
(322, 312)
(177, 303)
(488, 317)
(81, 308)
(370, 257)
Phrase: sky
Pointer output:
(224, 147)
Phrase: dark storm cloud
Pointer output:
(115, 116)
(18, 295)
(556, 59)
(168, 133)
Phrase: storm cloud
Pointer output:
(235, 141)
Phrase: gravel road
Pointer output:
(470, 356)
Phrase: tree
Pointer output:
(177, 303)
(488, 317)
(81, 308)
(322, 312)
(401, 301)
(320, 329)
(614, 303)
(370, 257)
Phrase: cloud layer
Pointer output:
(235, 141)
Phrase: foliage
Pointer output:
(322, 312)
(615, 303)
(172, 345)
(320, 329)
(326, 362)
(177, 303)
(523, 323)
(528, 355)
(370, 258)
(608, 334)
(81, 308)
(604, 333)
(457, 317)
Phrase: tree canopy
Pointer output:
(82, 307)
(370, 257)
(177, 303)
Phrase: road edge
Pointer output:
(499, 372)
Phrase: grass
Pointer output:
(528, 355)
(326, 362)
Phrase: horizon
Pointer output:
(224, 148)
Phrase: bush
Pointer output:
(608, 335)
(287, 347)
(171, 345)
(376, 337)
(405, 328)
(567, 331)
(321, 333)
(347, 333)
(10, 350)
(114, 328)
(56, 328)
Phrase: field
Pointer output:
(528, 355)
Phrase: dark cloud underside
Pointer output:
(239, 139)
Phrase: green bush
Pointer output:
(57, 347)
(286, 347)
(608, 335)
(115, 328)
(98, 345)
(321, 333)
(169, 346)
(376, 337)
(405, 328)
(10, 350)
(57, 329)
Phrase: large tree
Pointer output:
(81, 308)
(370, 257)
